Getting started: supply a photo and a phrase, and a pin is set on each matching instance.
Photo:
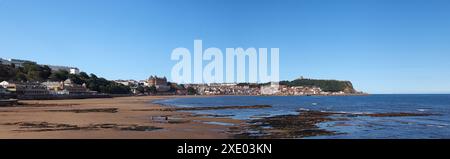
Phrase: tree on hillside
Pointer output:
(325, 85)
(140, 89)
(191, 91)
(60, 75)
(152, 90)
(45, 72)
(83, 76)
(35, 72)
(102, 85)
(7, 72)
(76, 79)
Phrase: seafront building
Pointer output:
(74, 89)
(26, 89)
(127, 82)
(271, 89)
(226, 89)
(66, 88)
(16, 62)
(32, 90)
(163, 87)
(4, 84)
(4, 96)
(71, 70)
(160, 84)
(133, 84)
(257, 89)
(143, 83)
(20, 63)
(3, 92)
(301, 90)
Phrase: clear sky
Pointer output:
(382, 46)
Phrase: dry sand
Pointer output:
(109, 118)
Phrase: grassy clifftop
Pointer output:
(325, 85)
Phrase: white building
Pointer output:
(16, 62)
(144, 83)
(271, 89)
(71, 70)
(4, 84)
(19, 63)
(222, 84)
(127, 82)
(53, 86)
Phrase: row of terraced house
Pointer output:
(45, 90)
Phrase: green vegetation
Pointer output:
(146, 89)
(251, 85)
(92, 82)
(61, 75)
(191, 91)
(31, 72)
(325, 85)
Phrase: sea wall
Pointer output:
(56, 97)
(8, 102)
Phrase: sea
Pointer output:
(435, 126)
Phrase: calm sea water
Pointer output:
(436, 126)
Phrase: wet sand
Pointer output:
(108, 118)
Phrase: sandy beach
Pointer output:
(107, 118)
(140, 118)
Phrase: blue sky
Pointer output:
(382, 46)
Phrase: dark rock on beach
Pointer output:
(97, 110)
(45, 126)
(287, 126)
(303, 125)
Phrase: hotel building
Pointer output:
(20, 63)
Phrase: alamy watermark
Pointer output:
(192, 69)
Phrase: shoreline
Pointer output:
(301, 125)
(139, 117)
(109, 118)
(305, 124)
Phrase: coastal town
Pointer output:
(71, 87)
